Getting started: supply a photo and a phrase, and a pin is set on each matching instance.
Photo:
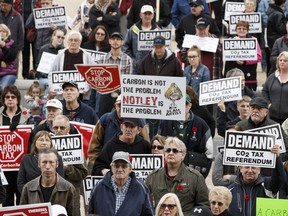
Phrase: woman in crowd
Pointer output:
(275, 90)
(249, 67)
(8, 53)
(169, 204)
(157, 144)
(12, 114)
(220, 198)
(196, 72)
(98, 40)
(29, 169)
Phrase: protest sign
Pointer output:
(207, 44)
(45, 17)
(239, 49)
(59, 77)
(233, 8)
(45, 62)
(70, 147)
(249, 149)
(88, 184)
(43, 209)
(96, 55)
(274, 129)
(86, 130)
(254, 20)
(153, 97)
(13, 146)
(104, 78)
(145, 39)
(228, 89)
(271, 207)
(144, 164)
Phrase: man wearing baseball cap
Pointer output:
(122, 179)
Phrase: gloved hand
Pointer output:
(13, 126)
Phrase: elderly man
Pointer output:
(188, 184)
(249, 185)
(128, 140)
(50, 186)
(73, 107)
(115, 199)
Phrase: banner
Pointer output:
(228, 89)
(233, 8)
(104, 78)
(13, 146)
(153, 97)
(239, 49)
(70, 147)
(59, 77)
(249, 149)
(145, 39)
(254, 20)
(43, 209)
(45, 17)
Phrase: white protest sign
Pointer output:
(95, 55)
(88, 184)
(233, 8)
(57, 79)
(213, 91)
(153, 97)
(144, 164)
(274, 129)
(145, 39)
(45, 62)
(70, 147)
(254, 20)
(237, 49)
(249, 149)
(2, 176)
(45, 17)
(207, 44)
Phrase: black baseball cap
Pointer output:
(117, 34)
(70, 84)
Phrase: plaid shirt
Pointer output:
(123, 61)
(120, 194)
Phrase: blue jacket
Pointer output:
(137, 200)
(201, 74)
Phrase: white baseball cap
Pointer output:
(58, 210)
(147, 8)
(54, 103)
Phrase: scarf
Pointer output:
(103, 7)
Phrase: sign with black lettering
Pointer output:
(153, 97)
(88, 184)
(43, 209)
(45, 17)
(274, 129)
(96, 55)
(70, 147)
(228, 89)
(240, 49)
(145, 39)
(249, 149)
(57, 78)
(144, 164)
(233, 8)
(254, 20)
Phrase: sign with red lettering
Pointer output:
(29, 210)
(13, 146)
(104, 78)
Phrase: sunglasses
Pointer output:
(60, 37)
(218, 203)
(174, 150)
(169, 206)
(157, 147)
(8, 97)
(101, 34)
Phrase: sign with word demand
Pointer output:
(145, 39)
(45, 17)
(153, 97)
(254, 20)
(233, 8)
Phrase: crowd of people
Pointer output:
(179, 187)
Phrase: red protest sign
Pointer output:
(103, 78)
(31, 209)
(13, 146)
(86, 130)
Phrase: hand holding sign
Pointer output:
(276, 150)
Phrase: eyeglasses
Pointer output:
(157, 147)
(174, 150)
(59, 127)
(60, 37)
(101, 34)
(122, 165)
(192, 57)
(10, 96)
(169, 206)
(218, 203)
